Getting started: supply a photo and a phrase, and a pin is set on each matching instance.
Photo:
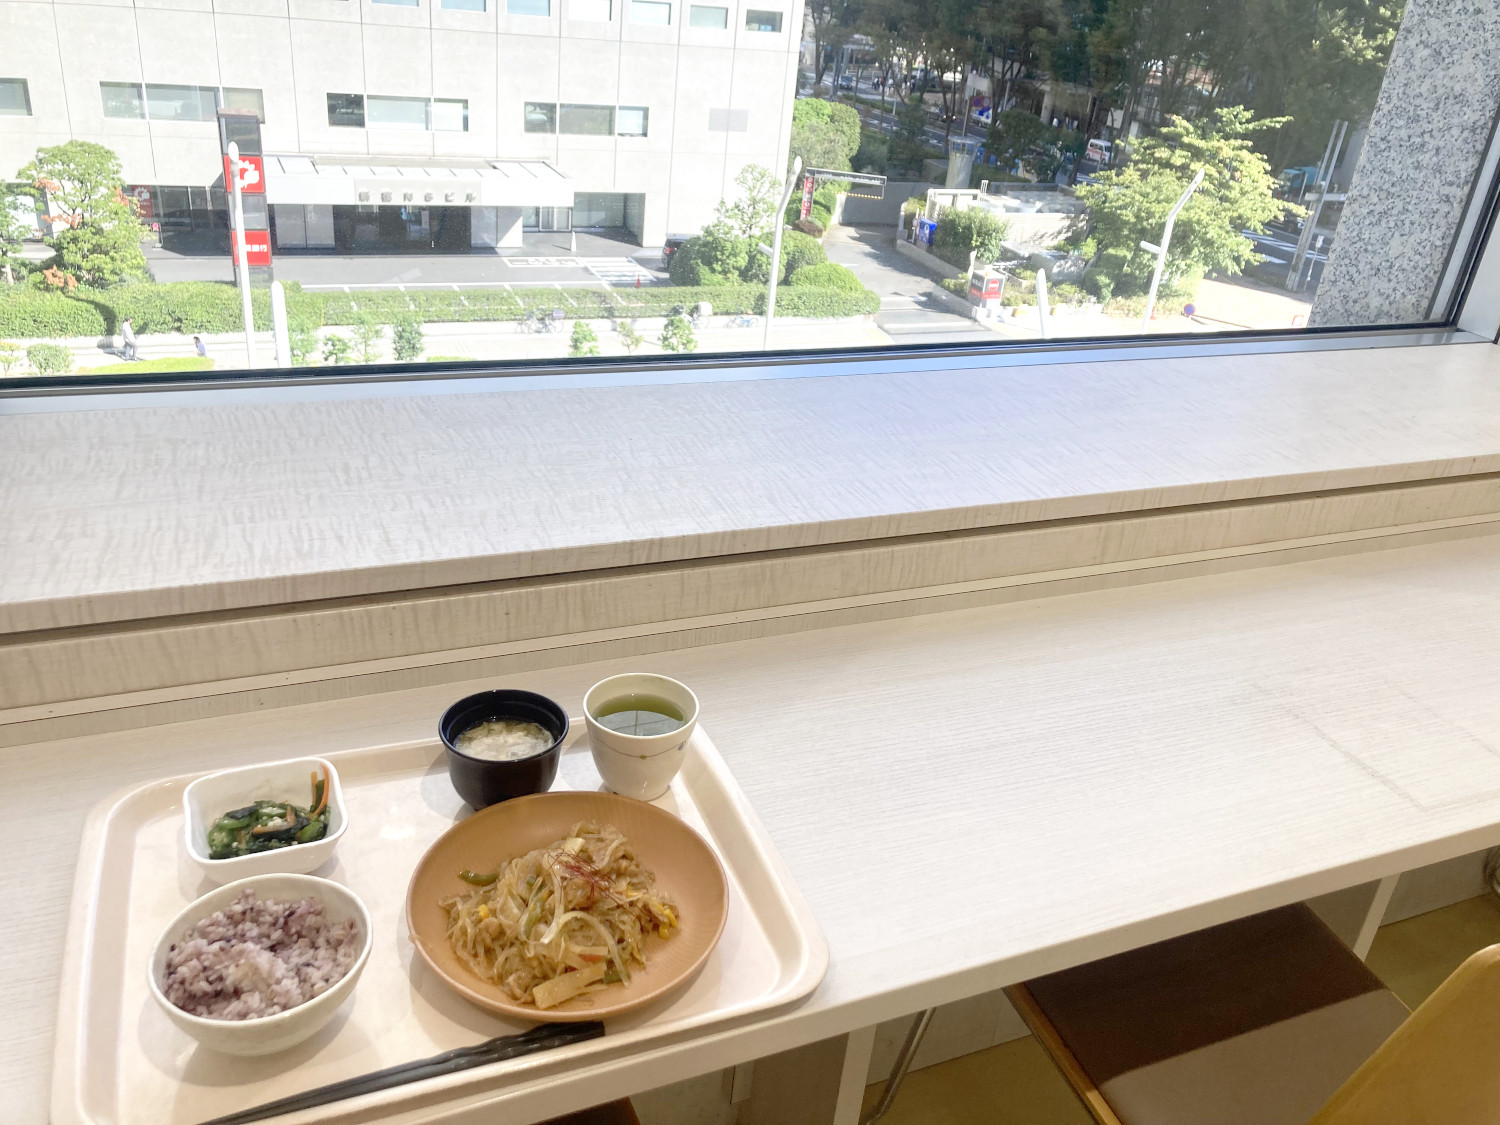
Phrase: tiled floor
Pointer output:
(1016, 1084)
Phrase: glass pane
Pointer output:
(236, 97)
(601, 11)
(399, 3)
(650, 11)
(395, 113)
(701, 15)
(758, 20)
(541, 117)
(450, 115)
(346, 110)
(122, 99)
(598, 209)
(15, 99)
(181, 103)
(631, 121)
(588, 120)
(529, 7)
(465, 5)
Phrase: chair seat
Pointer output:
(1255, 1022)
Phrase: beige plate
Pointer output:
(684, 865)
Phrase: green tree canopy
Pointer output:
(1129, 205)
(100, 243)
(824, 134)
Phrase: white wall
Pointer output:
(297, 51)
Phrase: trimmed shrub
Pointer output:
(828, 275)
(677, 335)
(188, 307)
(799, 250)
(959, 232)
(32, 312)
(794, 300)
(584, 341)
(809, 227)
(49, 359)
(406, 339)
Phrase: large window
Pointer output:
(990, 176)
(15, 98)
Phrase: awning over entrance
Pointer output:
(397, 182)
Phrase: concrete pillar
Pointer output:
(508, 226)
(1426, 140)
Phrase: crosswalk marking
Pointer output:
(621, 272)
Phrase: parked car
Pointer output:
(671, 246)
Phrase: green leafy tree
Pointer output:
(824, 134)
(302, 340)
(10, 356)
(630, 336)
(406, 339)
(959, 232)
(1129, 205)
(14, 199)
(100, 240)
(1013, 135)
(718, 256)
(584, 341)
(677, 334)
(750, 214)
(337, 349)
(368, 332)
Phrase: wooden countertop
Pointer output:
(966, 799)
(117, 514)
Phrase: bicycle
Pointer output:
(744, 322)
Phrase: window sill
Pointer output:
(122, 515)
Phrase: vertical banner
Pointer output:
(807, 194)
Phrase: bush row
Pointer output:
(194, 307)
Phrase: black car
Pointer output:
(671, 246)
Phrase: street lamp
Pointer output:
(775, 250)
(242, 244)
(1161, 251)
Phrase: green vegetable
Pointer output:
(268, 825)
(477, 879)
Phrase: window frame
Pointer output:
(25, 88)
(329, 95)
(723, 11)
(750, 13)
(564, 107)
(510, 11)
(651, 5)
(550, 115)
(643, 110)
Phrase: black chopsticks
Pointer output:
(498, 1049)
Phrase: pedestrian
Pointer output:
(199, 347)
(127, 335)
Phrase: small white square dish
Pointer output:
(211, 796)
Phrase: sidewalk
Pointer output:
(499, 340)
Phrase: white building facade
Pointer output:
(499, 116)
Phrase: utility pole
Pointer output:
(775, 250)
(242, 242)
(1161, 251)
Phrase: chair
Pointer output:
(1268, 1020)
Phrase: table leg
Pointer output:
(903, 1065)
(1373, 917)
(857, 1050)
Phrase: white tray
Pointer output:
(120, 1061)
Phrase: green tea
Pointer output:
(639, 714)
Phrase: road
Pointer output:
(1278, 247)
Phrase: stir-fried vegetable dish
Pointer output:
(267, 825)
(562, 921)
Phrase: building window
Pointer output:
(650, 11)
(398, 3)
(704, 15)
(757, 19)
(450, 115)
(465, 5)
(598, 209)
(238, 97)
(15, 98)
(181, 103)
(123, 99)
(541, 117)
(346, 111)
(599, 11)
(529, 7)
(395, 113)
(587, 120)
(630, 121)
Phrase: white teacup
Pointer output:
(639, 765)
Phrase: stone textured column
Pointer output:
(1428, 135)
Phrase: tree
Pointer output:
(100, 243)
(832, 24)
(677, 334)
(753, 211)
(1013, 134)
(960, 232)
(1129, 205)
(630, 336)
(718, 256)
(10, 356)
(406, 339)
(824, 134)
(584, 340)
(302, 341)
(13, 200)
(337, 349)
(368, 332)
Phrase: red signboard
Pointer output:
(143, 204)
(807, 194)
(258, 243)
(252, 175)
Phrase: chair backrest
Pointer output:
(1442, 1066)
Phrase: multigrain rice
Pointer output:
(256, 958)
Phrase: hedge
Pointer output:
(800, 300)
(827, 275)
(181, 306)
